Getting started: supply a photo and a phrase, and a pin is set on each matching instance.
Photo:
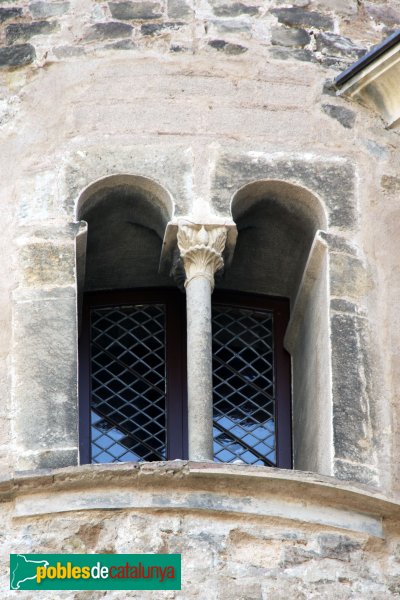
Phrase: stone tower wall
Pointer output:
(203, 97)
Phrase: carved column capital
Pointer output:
(201, 248)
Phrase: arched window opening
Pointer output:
(277, 223)
(126, 219)
(123, 367)
(279, 253)
(132, 362)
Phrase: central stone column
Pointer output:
(201, 248)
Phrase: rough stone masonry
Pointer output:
(204, 97)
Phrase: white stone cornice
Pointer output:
(377, 86)
(201, 248)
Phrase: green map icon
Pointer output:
(95, 571)
(23, 569)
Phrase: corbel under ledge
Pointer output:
(374, 80)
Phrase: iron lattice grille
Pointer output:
(244, 386)
(128, 383)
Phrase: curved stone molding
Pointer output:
(374, 81)
(207, 488)
(156, 195)
(201, 248)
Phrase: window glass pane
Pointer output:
(128, 383)
(244, 386)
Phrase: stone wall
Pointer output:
(242, 533)
(204, 98)
(329, 33)
(179, 92)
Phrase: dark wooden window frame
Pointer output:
(175, 359)
(280, 309)
(175, 354)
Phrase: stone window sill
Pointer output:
(204, 487)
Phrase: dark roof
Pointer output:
(368, 58)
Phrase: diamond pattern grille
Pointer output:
(128, 383)
(244, 386)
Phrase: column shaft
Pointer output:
(199, 365)
(201, 247)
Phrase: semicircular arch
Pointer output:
(149, 192)
(126, 217)
(277, 222)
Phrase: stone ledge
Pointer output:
(202, 487)
(376, 84)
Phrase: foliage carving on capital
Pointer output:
(201, 248)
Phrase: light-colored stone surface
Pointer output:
(242, 532)
(377, 86)
(201, 130)
(195, 98)
(199, 366)
(307, 339)
(202, 487)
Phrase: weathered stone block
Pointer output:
(17, 56)
(178, 48)
(9, 13)
(46, 400)
(151, 28)
(111, 30)
(351, 390)
(68, 51)
(227, 47)
(295, 17)
(282, 36)
(234, 9)
(336, 546)
(391, 183)
(135, 10)
(376, 150)
(294, 555)
(244, 588)
(25, 31)
(337, 63)
(48, 9)
(332, 182)
(394, 585)
(302, 54)
(232, 26)
(299, 3)
(345, 116)
(47, 264)
(122, 45)
(348, 276)
(54, 458)
(179, 9)
(336, 45)
(349, 470)
(341, 305)
(337, 243)
(383, 13)
(341, 7)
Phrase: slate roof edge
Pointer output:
(368, 58)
